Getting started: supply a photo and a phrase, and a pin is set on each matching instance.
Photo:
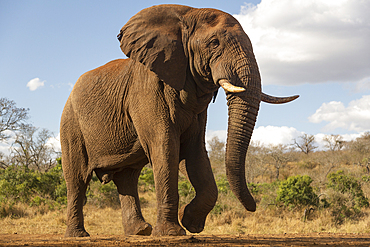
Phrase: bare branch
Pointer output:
(12, 118)
(306, 143)
(334, 142)
(30, 149)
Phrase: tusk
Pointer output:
(277, 100)
(228, 87)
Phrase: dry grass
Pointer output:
(52, 222)
(235, 220)
(98, 221)
(266, 222)
(229, 217)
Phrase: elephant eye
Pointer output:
(214, 43)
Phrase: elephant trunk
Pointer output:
(242, 117)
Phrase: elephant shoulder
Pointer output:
(105, 73)
(108, 68)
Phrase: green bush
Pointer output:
(52, 184)
(19, 184)
(346, 197)
(342, 183)
(146, 179)
(46, 191)
(263, 188)
(186, 189)
(264, 193)
(296, 191)
(102, 195)
(223, 185)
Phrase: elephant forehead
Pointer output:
(214, 17)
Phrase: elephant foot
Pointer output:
(143, 228)
(76, 232)
(193, 222)
(168, 229)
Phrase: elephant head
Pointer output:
(209, 48)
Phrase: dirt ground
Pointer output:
(319, 239)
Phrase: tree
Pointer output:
(361, 145)
(280, 157)
(334, 142)
(3, 163)
(30, 149)
(12, 118)
(360, 150)
(255, 161)
(217, 150)
(306, 143)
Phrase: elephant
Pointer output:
(151, 107)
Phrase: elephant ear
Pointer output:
(153, 37)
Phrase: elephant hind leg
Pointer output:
(76, 193)
(132, 218)
(76, 174)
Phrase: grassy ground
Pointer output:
(106, 221)
(228, 216)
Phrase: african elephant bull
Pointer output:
(152, 108)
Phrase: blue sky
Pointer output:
(317, 49)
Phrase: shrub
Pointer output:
(102, 195)
(21, 184)
(342, 183)
(264, 193)
(223, 185)
(346, 197)
(186, 189)
(146, 179)
(18, 184)
(52, 184)
(296, 191)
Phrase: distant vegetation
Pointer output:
(297, 187)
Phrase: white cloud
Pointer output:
(35, 84)
(265, 135)
(275, 135)
(309, 40)
(4, 148)
(54, 142)
(221, 134)
(5, 145)
(355, 117)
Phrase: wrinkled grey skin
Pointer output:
(152, 108)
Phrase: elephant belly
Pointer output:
(114, 161)
(114, 154)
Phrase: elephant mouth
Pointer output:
(228, 87)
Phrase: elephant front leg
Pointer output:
(132, 218)
(194, 214)
(196, 166)
(165, 160)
